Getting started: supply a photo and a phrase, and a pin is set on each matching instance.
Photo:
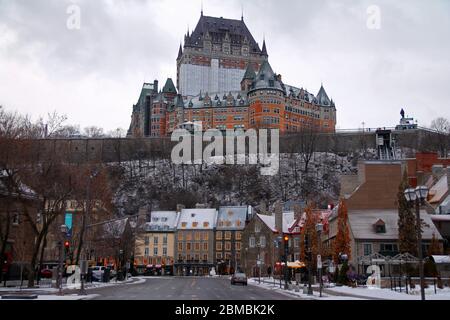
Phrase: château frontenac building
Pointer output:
(225, 81)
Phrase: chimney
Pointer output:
(297, 211)
(279, 216)
(437, 170)
(180, 207)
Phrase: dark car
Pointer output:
(46, 273)
(239, 278)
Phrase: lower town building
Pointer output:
(230, 225)
(262, 245)
(16, 232)
(155, 242)
(374, 233)
(194, 241)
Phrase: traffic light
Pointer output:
(286, 247)
(286, 241)
(67, 247)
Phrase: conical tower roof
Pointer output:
(322, 97)
(266, 78)
(249, 73)
(264, 49)
(180, 52)
(169, 87)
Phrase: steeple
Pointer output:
(249, 73)
(322, 97)
(248, 78)
(180, 52)
(264, 49)
(169, 87)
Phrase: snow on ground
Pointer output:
(268, 284)
(93, 285)
(65, 297)
(388, 294)
(348, 293)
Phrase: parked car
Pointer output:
(97, 273)
(239, 278)
(46, 273)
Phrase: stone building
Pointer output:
(194, 241)
(262, 243)
(225, 81)
(155, 242)
(215, 56)
(231, 222)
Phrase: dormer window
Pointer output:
(205, 224)
(194, 224)
(271, 83)
(380, 226)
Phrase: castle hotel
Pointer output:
(225, 81)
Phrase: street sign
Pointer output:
(68, 222)
(319, 261)
(331, 267)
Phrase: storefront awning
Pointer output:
(296, 264)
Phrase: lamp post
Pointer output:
(309, 260)
(416, 197)
(319, 229)
(258, 261)
(120, 263)
(63, 230)
(286, 254)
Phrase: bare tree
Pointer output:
(307, 144)
(94, 132)
(441, 140)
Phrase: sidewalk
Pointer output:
(70, 292)
(268, 284)
(349, 293)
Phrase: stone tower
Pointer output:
(216, 55)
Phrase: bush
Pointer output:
(342, 279)
(336, 275)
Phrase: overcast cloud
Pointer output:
(94, 74)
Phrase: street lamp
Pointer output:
(416, 197)
(319, 229)
(63, 230)
(286, 253)
(309, 260)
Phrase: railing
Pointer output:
(405, 283)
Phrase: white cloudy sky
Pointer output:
(94, 74)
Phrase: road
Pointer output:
(186, 288)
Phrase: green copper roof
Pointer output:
(169, 87)
(249, 73)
